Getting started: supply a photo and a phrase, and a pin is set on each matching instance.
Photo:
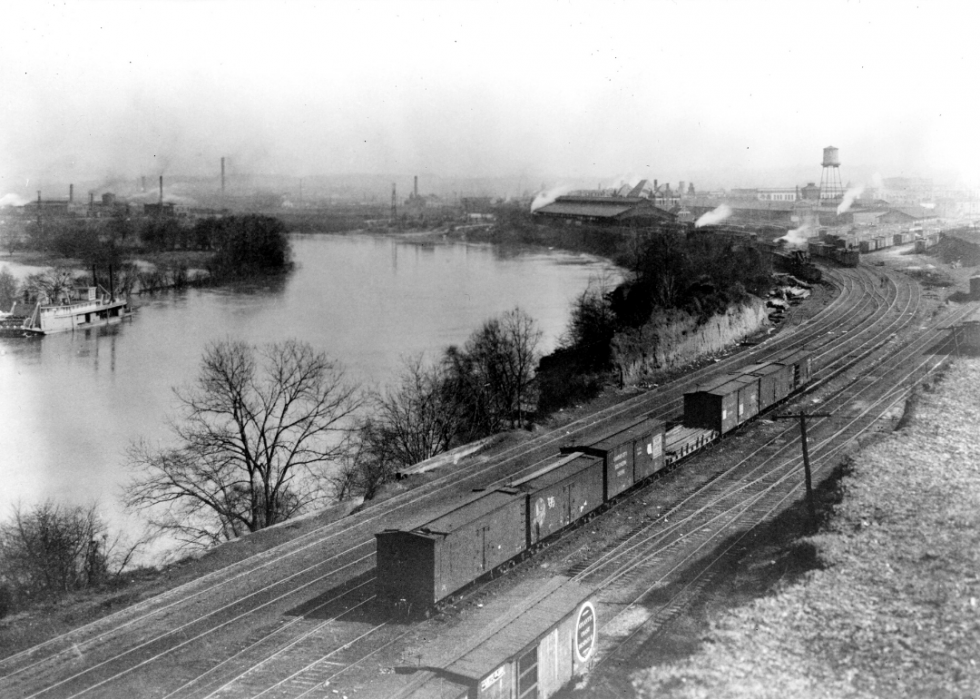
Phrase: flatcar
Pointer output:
(420, 567)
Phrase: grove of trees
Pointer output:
(240, 245)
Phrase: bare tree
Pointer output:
(504, 354)
(52, 549)
(367, 464)
(258, 427)
(419, 418)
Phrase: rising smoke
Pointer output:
(548, 196)
(12, 200)
(849, 196)
(796, 238)
(714, 216)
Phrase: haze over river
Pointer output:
(70, 404)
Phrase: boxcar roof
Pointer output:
(644, 428)
(766, 369)
(561, 461)
(561, 470)
(721, 387)
(454, 519)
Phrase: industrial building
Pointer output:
(640, 206)
(621, 211)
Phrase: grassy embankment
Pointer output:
(893, 607)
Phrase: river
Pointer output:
(70, 404)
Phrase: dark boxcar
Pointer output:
(630, 455)
(799, 360)
(748, 397)
(424, 565)
(850, 258)
(768, 375)
(561, 493)
(648, 449)
(713, 405)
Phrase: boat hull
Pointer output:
(78, 316)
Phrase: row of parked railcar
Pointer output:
(847, 249)
(828, 251)
(417, 568)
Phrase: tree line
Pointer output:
(238, 245)
(264, 433)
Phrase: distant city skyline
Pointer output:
(722, 94)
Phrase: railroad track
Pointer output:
(162, 639)
(680, 556)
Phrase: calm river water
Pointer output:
(70, 404)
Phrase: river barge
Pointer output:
(88, 307)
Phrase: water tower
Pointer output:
(830, 183)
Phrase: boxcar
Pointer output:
(775, 382)
(714, 405)
(423, 566)
(800, 362)
(629, 455)
(748, 397)
(560, 494)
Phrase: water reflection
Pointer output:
(70, 404)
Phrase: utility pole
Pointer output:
(802, 416)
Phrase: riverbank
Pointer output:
(887, 601)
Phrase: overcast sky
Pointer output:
(541, 89)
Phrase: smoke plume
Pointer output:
(796, 238)
(849, 197)
(12, 200)
(548, 196)
(714, 216)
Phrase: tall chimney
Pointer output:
(143, 183)
(91, 199)
(415, 189)
(71, 193)
(222, 175)
(161, 190)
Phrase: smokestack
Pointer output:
(161, 189)
(143, 183)
(91, 199)
(415, 189)
(222, 175)
(71, 193)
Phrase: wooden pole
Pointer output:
(802, 416)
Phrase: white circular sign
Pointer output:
(586, 632)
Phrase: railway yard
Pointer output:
(302, 619)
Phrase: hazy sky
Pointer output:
(542, 89)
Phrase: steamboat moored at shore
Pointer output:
(88, 307)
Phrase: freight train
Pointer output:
(420, 567)
(797, 263)
(841, 255)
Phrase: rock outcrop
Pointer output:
(674, 338)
